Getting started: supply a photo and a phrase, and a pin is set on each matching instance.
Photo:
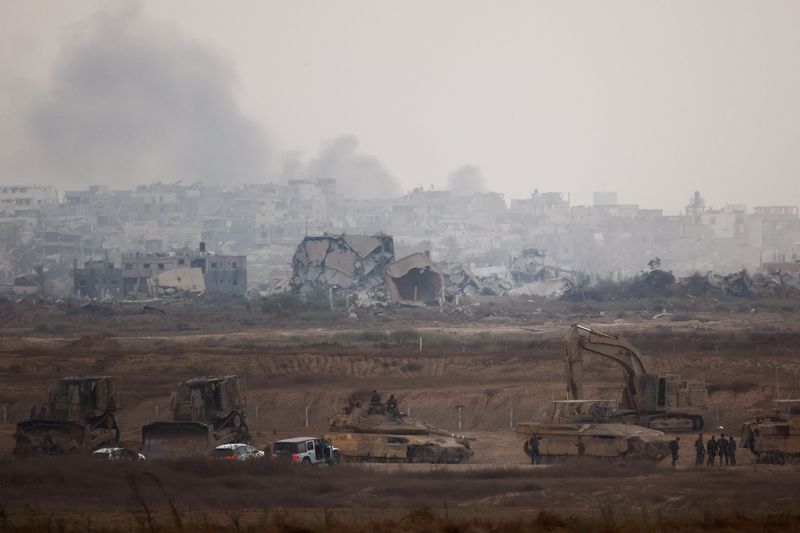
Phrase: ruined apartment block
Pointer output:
(163, 274)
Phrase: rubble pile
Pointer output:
(760, 285)
(351, 263)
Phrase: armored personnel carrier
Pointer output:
(78, 416)
(560, 442)
(775, 437)
(372, 431)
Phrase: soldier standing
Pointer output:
(732, 450)
(700, 449)
(712, 450)
(722, 448)
(673, 449)
(532, 449)
(391, 406)
(581, 447)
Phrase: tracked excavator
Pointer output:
(665, 403)
(78, 417)
(631, 430)
(205, 413)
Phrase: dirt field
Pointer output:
(502, 367)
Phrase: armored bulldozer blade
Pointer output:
(57, 437)
(168, 440)
(187, 439)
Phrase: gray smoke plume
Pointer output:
(466, 180)
(358, 176)
(131, 102)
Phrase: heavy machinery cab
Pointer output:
(206, 399)
(81, 398)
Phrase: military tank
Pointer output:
(561, 439)
(369, 430)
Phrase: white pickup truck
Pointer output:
(306, 451)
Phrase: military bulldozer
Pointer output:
(774, 438)
(78, 417)
(368, 430)
(204, 413)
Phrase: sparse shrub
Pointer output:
(46, 328)
(411, 367)
(372, 336)
(405, 336)
(290, 304)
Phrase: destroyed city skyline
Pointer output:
(633, 98)
(377, 265)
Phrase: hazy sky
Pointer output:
(652, 99)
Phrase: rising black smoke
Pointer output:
(130, 102)
(357, 175)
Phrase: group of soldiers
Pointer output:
(390, 408)
(707, 452)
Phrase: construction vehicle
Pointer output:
(371, 431)
(78, 417)
(665, 403)
(204, 413)
(774, 438)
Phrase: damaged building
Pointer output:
(415, 280)
(343, 262)
(163, 274)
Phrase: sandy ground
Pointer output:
(501, 370)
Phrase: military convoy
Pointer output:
(78, 417)
(207, 412)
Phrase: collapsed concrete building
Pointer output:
(415, 280)
(350, 263)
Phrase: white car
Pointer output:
(306, 451)
(236, 452)
(118, 454)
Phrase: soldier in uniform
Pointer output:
(700, 450)
(532, 449)
(391, 406)
(732, 450)
(673, 449)
(722, 449)
(712, 450)
(581, 447)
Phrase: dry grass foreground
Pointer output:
(81, 494)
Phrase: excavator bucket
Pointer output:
(167, 440)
